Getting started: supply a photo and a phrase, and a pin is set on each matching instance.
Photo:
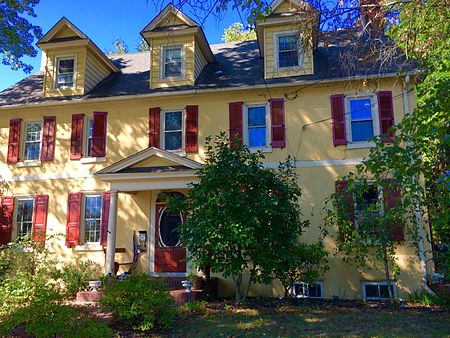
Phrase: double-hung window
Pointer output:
(368, 204)
(257, 126)
(173, 127)
(307, 290)
(65, 72)
(172, 62)
(32, 143)
(289, 53)
(24, 216)
(92, 218)
(362, 121)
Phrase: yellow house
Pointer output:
(88, 143)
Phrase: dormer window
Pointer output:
(172, 66)
(65, 77)
(288, 50)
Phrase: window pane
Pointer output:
(32, 151)
(361, 109)
(34, 131)
(173, 120)
(93, 208)
(384, 293)
(256, 137)
(24, 217)
(173, 54)
(288, 42)
(369, 198)
(362, 131)
(256, 116)
(288, 59)
(66, 79)
(167, 228)
(315, 290)
(173, 140)
(172, 69)
(66, 66)
(372, 291)
(91, 132)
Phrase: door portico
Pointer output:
(153, 170)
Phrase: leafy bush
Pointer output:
(426, 299)
(195, 307)
(49, 319)
(140, 302)
(76, 276)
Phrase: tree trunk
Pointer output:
(388, 275)
(247, 289)
(237, 282)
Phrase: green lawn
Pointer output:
(311, 320)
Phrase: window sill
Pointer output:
(88, 247)
(90, 160)
(360, 145)
(24, 164)
(263, 150)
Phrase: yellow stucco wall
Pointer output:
(127, 134)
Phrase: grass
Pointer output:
(314, 320)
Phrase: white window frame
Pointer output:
(163, 130)
(307, 284)
(24, 141)
(86, 149)
(162, 66)
(15, 230)
(83, 220)
(268, 147)
(56, 71)
(300, 51)
(348, 120)
(364, 284)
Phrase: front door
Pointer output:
(170, 255)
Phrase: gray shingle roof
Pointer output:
(238, 65)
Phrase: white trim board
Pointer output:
(298, 164)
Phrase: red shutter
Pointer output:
(342, 189)
(236, 127)
(153, 127)
(277, 120)
(386, 115)
(14, 140)
(6, 218)
(191, 145)
(99, 134)
(76, 139)
(105, 218)
(48, 138)
(40, 218)
(392, 198)
(73, 219)
(338, 117)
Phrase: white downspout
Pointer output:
(418, 212)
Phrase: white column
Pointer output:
(112, 226)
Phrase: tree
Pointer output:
(17, 34)
(237, 33)
(240, 217)
(119, 48)
(142, 46)
(418, 158)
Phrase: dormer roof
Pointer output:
(65, 33)
(173, 20)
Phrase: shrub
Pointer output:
(76, 276)
(140, 303)
(195, 307)
(426, 299)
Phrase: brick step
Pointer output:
(172, 283)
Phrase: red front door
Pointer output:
(170, 255)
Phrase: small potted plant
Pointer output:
(187, 284)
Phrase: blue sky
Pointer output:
(104, 21)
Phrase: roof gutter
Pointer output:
(201, 91)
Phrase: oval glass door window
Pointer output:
(168, 224)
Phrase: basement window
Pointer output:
(307, 290)
(378, 290)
